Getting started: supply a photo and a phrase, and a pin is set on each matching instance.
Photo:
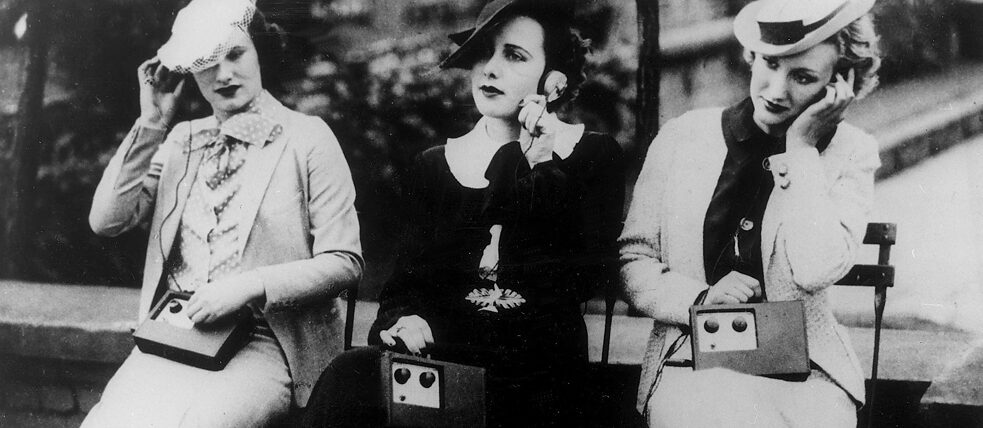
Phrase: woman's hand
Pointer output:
(734, 288)
(160, 91)
(822, 117)
(412, 330)
(488, 265)
(218, 299)
(538, 128)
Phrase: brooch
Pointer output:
(490, 299)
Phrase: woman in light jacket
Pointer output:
(765, 200)
(249, 207)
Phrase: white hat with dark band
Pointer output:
(787, 27)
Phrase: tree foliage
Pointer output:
(386, 103)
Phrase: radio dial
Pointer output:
(401, 375)
(427, 379)
(711, 325)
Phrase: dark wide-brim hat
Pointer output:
(490, 15)
(788, 27)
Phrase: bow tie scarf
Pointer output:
(207, 246)
(224, 159)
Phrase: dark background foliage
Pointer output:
(380, 92)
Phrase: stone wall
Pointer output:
(48, 392)
(59, 345)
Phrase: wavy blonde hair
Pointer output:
(859, 47)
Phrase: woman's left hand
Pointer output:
(538, 127)
(822, 117)
(215, 300)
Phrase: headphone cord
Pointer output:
(676, 345)
(177, 192)
(534, 125)
(515, 175)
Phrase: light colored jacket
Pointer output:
(812, 227)
(301, 234)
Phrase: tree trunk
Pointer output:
(649, 64)
(22, 157)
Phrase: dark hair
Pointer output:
(270, 42)
(566, 51)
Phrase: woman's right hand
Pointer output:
(734, 288)
(160, 91)
(823, 116)
(412, 330)
(538, 129)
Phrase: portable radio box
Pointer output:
(169, 333)
(421, 392)
(767, 339)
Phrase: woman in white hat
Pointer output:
(513, 226)
(765, 200)
(251, 207)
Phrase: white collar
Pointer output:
(468, 156)
(567, 137)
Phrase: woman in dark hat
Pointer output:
(251, 207)
(513, 226)
(765, 200)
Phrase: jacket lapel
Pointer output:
(260, 164)
(176, 179)
(769, 232)
(694, 181)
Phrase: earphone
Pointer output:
(553, 85)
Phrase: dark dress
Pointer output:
(560, 222)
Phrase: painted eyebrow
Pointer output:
(805, 70)
(794, 70)
(518, 48)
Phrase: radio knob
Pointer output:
(401, 376)
(711, 325)
(427, 379)
(739, 324)
(174, 306)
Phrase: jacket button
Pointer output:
(746, 224)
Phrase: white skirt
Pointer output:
(725, 398)
(253, 390)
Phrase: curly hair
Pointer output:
(270, 42)
(566, 51)
(859, 48)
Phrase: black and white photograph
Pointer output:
(491, 213)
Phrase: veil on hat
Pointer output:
(202, 33)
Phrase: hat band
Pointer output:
(789, 32)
